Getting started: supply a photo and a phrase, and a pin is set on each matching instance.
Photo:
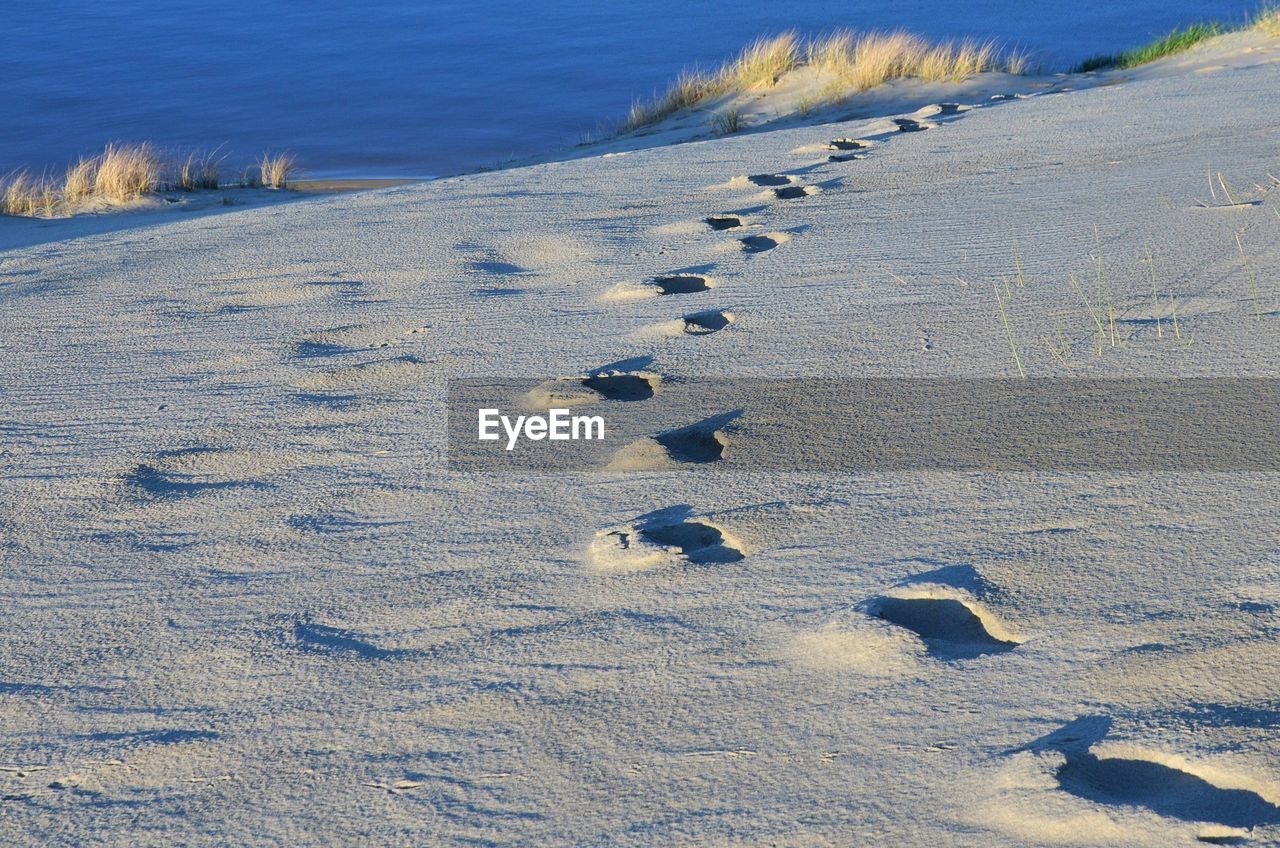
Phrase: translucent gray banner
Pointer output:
(637, 421)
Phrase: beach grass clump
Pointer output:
(1268, 21)
(78, 183)
(123, 173)
(854, 62)
(761, 63)
(277, 170)
(197, 171)
(28, 196)
(1177, 41)
(689, 88)
(126, 172)
(865, 61)
(727, 122)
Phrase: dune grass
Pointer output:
(759, 65)
(1177, 41)
(858, 62)
(762, 63)
(855, 62)
(126, 172)
(727, 122)
(865, 61)
(1268, 22)
(276, 171)
(123, 173)
(28, 196)
(198, 171)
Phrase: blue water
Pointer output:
(405, 88)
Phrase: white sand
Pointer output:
(246, 605)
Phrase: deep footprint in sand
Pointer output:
(1164, 790)
(759, 244)
(909, 125)
(697, 444)
(707, 322)
(681, 284)
(187, 472)
(769, 180)
(950, 627)
(794, 192)
(1098, 771)
(846, 144)
(696, 542)
(623, 386)
(667, 537)
(724, 222)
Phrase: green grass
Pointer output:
(1175, 42)
(727, 122)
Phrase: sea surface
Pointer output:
(412, 88)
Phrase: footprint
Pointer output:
(759, 244)
(951, 626)
(1164, 790)
(663, 538)
(616, 385)
(794, 192)
(315, 348)
(724, 222)
(769, 180)
(308, 636)
(1121, 774)
(909, 125)
(707, 322)
(846, 144)
(844, 157)
(623, 387)
(694, 324)
(700, 443)
(681, 284)
(189, 472)
(696, 444)
(696, 542)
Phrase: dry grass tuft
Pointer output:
(864, 62)
(126, 172)
(276, 171)
(761, 63)
(855, 63)
(78, 183)
(197, 171)
(688, 89)
(1268, 22)
(28, 196)
(727, 122)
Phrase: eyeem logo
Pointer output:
(557, 425)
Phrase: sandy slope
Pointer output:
(247, 605)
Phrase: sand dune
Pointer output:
(249, 603)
